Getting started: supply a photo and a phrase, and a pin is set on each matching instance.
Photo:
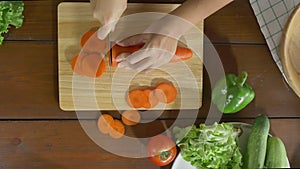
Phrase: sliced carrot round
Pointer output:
(117, 129)
(94, 45)
(136, 98)
(93, 65)
(101, 68)
(105, 122)
(152, 100)
(76, 65)
(85, 37)
(131, 117)
(73, 63)
(165, 92)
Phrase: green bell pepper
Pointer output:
(231, 93)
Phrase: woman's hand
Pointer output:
(157, 51)
(108, 13)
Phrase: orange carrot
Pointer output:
(85, 37)
(105, 122)
(165, 92)
(117, 129)
(75, 65)
(94, 45)
(117, 50)
(151, 101)
(91, 65)
(131, 117)
(136, 98)
(181, 53)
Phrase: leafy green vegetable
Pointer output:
(10, 14)
(210, 147)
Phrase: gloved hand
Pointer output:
(108, 13)
(157, 51)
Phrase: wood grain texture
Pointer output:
(108, 92)
(29, 87)
(29, 90)
(235, 23)
(63, 144)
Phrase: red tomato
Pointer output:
(161, 150)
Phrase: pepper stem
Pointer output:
(243, 78)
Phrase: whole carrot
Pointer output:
(181, 53)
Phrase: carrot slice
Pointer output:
(165, 92)
(131, 117)
(105, 122)
(136, 98)
(117, 129)
(75, 65)
(94, 45)
(85, 37)
(151, 101)
(91, 65)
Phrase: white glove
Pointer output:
(157, 51)
(108, 13)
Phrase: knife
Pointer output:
(110, 57)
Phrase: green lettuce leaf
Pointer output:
(10, 14)
(210, 147)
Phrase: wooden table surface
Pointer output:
(35, 133)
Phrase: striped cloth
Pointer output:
(272, 16)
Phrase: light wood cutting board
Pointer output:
(108, 92)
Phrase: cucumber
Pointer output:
(276, 154)
(257, 143)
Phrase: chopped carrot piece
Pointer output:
(131, 117)
(91, 65)
(76, 65)
(117, 129)
(105, 122)
(165, 92)
(151, 101)
(94, 45)
(73, 63)
(85, 37)
(182, 54)
(136, 98)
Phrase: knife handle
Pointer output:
(181, 53)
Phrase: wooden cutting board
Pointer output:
(108, 92)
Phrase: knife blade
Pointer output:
(110, 58)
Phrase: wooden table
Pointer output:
(35, 133)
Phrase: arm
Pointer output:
(183, 18)
(196, 10)
(165, 33)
